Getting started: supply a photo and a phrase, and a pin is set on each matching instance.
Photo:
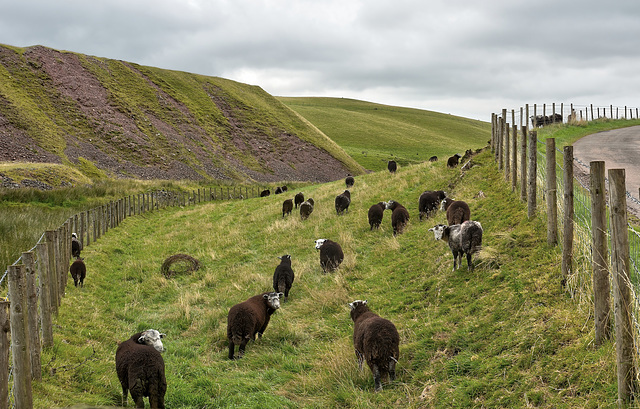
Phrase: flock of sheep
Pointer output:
(139, 362)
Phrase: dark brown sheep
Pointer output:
(429, 202)
(306, 208)
(265, 193)
(283, 276)
(433, 159)
(298, 199)
(399, 216)
(342, 202)
(375, 214)
(375, 340)
(140, 369)
(453, 161)
(78, 272)
(349, 181)
(287, 206)
(76, 246)
(457, 211)
(250, 318)
(392, 166)
(331, 254)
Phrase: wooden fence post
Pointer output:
(45, 295)
(514, 159)
(523, 164)
(552, 203)
(599, 253)
(19, 340)
(533, 175)
(33, 327)
(623, 303)
(5, 329)
(50, 235)
(507, 153)
(567, 236)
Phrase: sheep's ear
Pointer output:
(141, 339)
(364, 302)
(162, 335)
(351, 305)
(280, 295)
(265, 296)
(280, 257)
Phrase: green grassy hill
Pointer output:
(373, 133)
(503, 336)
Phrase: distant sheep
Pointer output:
(284, 188)
(392, 166)
(76, 246)
(78, 272)
(342, 202)
(453, 161)
(429, 202)
(331, 254)
(298, 199)
(250, 318)
(375, 214)
(140, 368)
(433, 159)
(458, 211)
(349, 181)
(287, 206)
(265, 193)
(306, 208)
(278, 190)
(283, 276)
(376, 341)
(399, 216)
(465, 238)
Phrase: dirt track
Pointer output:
(619, 149)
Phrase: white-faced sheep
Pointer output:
(76, 246)
(140, 368)
(331, 254)
(278, 190)
(78, 272)
(375, 214)
(458, 211)
(429, 202)
(349, 181)
(375, 340)
(306, 208)
(250, 318)
(453, 161)
(298, 199)
(287, 206)
(465, 238)
(392, 166)
(283, 276)
(399, 216)
(342, 202)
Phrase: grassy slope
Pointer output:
(503, 336)
(374, 133)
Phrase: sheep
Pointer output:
(283, 276)
(140, 368)
(375, 214)
(342, 202)
(284, 188)
(78, 271)
(465, 238)
(306, 208)
(331, 254)
(429, 201)
(298, 199)
(249, 318)
(265, 193)
(278, 190)
(392, 166)
(349, 181)
(287, 206)
(76, 245)
(457, 211)
(399, 216)
(375, 340)
(453, 161)
(433, 159)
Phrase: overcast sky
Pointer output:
(464, 57)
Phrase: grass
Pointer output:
(503, 336)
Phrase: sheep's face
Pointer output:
(356, 304)
(74, 236)
(390, 204)
(152, 338)
(273, 299)
(438, 231)
(319, 243)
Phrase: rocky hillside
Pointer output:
(109, 118)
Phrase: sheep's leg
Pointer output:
(243, 344)
(455, 258)
(137, 393)
(125, 392)
(376, 377)
(392, 369)
(232, 347)
(469, 262)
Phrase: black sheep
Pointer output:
(76, 245)
(283, 276)
(453, 161)
(298, 199)
(287, 206)
(265, 193)
(306, 208)
(278, 190)
(284, 189)
(392, 166)
(331, 254)
(399, 216)
(349, 181)
(375, 340)
(458, 211)
(78, 272)
(429, 202)
(433, 159)
(140, 369)
(249, 318)
(342, 202)
(375, 214)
